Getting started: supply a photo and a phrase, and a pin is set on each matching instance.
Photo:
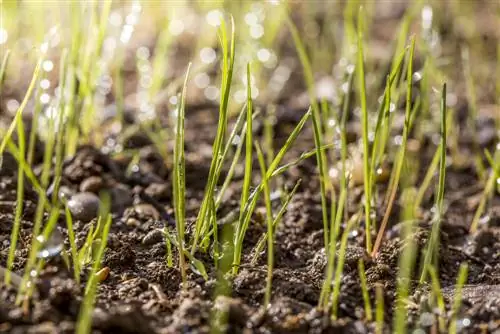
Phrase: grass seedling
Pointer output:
(438, 295)
(272, 170)
(247, 179)
(261, 244)
(228, 52)
(179, 178)
(269, 223)
(433, 242)
(406, 263)
(401, 154)
(337, 212)
(488, 190)
(317, 124)
(457, 299)
(84, 322)
(19, 202)
(379, 309)
(72, 244)
(364, 290)
(360, 73)
(340, 264)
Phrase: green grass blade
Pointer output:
(72, 243)
(457, 300)
(3, 68)
(366, 150)
(317, 124)
(401, 154)
(364, 290)
(179, 178)
(433, 242)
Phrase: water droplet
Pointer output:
(417, 76)
(51, 247)
(466, 322)
(44, 47)
(208, 55)
(33, 273)
(398, 140)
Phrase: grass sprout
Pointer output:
(228, 51)
(3, 68)
(317, 124)
(364, 290)
(433, 242)
(179, 178)
(457, 298)
(438, 295)
(401, 154)
(379, 309)
(269, 223)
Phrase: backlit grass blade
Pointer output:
(401, 154)
(269, 224)
(457, 300)
(433, 242)
(261, 244)
(179, 178)
(72, 243)
(364, 290)
(228, 51)
(317, 124)
(360, 73)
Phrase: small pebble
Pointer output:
(121, 197)
(91, 184)
(153, 237)
(147, 211)
(84, 206)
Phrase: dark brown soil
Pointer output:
(143, 295)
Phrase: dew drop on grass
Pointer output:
(176, 27)
(173, 100)
(3, 36)
(45, 84)
(211, 93)
(202, 80)
(263, 55)
(12, 105)
(45, 98)
(427, 17)
(256, 31)
(214, 17)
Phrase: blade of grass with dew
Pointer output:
(379, 309)
(269, 224)
(242, 225)
(360, 72)
(406, 262)
(401, 154)
(19, 203)
(364, 290)
(438, 295)
(179, 178)
(433, 242)
(457, 299)
(3, 68)
(354, 220)
(317, 123)
(261, 244)
(213, 175)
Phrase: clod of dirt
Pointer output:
(84, 206)
(122, 319)
(236, 311)
(153, 237)
(121, 197)
(191, 316)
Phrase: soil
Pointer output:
(143, 295)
